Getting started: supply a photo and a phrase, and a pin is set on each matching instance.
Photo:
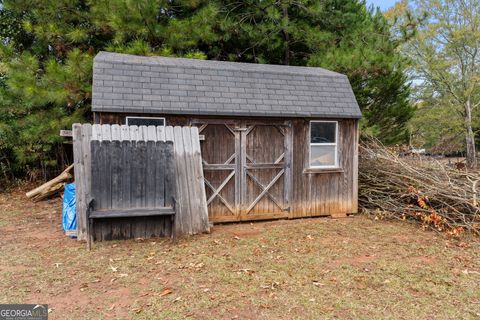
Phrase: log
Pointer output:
(50, 187)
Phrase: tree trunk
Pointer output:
(286, 35)
(470, 137)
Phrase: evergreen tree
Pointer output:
(47, 47)
(340, 35)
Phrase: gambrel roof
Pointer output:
(138, 84)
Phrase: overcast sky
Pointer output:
(383, 4)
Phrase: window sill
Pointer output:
(323, 170)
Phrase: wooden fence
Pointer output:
(191, 210)
(131, 174)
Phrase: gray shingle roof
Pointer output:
(128, 83)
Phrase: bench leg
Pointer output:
(173, 234)
(90, 234)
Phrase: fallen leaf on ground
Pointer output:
(318, 284)
(165, 292)
(137, 310)
(470, 272)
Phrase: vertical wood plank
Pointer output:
(160, 133)
(169, 193)
(152, 133)
(162, 224)
(354, 203)
(169, 133)
(106, 132)
(288, 168)
(96, 132)
(98, 181)
(183, 227)
(238, 173)
(138, 186)
(346, 161)
(199, 182)
(171, 181)
(133, 133)
(87, 173)
(193, 193)
(106, 147)
(243, 175)
(160, 168)
(79, 181)
(115, 159)
(127, 156)
(143, 133)
(124, 132)
(115, 129)
(149, 182)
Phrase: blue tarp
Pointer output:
(69, 212)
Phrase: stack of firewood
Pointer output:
(52, 187)
(417, 189)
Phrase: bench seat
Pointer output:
(93, 214)
(133, 212)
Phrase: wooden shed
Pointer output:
(277, 141)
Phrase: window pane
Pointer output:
(145, 121)
(322, 132)
(322, 156)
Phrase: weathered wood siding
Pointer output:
(132, 174)
(309, 193)
(328, 192)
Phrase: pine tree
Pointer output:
(340, 35)
(47, 48)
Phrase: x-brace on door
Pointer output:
(247, 169)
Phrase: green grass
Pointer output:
(352, 268)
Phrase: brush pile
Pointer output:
(417, 189)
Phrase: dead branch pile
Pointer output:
(51, 187)
(420, 190)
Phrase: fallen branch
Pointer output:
(425, 191)
(51, 187)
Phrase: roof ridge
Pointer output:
(106, 56)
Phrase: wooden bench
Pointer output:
(133, 186)
(93, 214)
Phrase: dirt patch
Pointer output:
(286, 269)
(423, 259)
(358, 261)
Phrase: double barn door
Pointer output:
(247, 169)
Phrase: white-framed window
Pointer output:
(323, 144)
(145, 121)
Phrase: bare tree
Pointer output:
(446, 58)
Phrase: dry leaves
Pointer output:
(165, 292)
(421, 190)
